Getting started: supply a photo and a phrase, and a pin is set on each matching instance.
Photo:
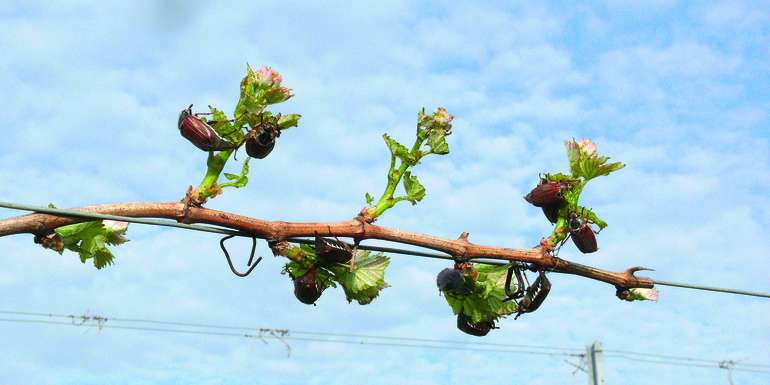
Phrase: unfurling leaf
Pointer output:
(223, 127)
(641, 294)
(398, 150)
(369, 199)
(259, 89)
(591, 216)
(415, 191)
(437, 142)
(586, 163)
(240, 180)
(288, 120)
(116, 231)
(90, 239)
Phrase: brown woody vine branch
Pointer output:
(461, 248)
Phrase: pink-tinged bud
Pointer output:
(278, 95)
(587, 147)
(266, 76)
(584, 238)
(200, 133)
(639, 293)
(442, 116)
(115, 231)
(115, 226)
(545, 194)
(570, 145)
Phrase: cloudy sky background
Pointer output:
(678, 91)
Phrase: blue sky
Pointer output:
(678, 91)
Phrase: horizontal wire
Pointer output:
(711, 288)
(219, 230)
(680, 358)
(662, 356)
(288, 337)
(714, 366)
(223, 327)
(362, 342)
(631, 355)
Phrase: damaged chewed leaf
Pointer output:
(367, 279)
(483, 302)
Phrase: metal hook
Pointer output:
(251, 256)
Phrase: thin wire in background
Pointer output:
(101, 322)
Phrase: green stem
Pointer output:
(215, 163)
(394, 177)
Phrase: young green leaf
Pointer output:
(592, 217)
(366, 280)
(369, 199)
(250, 103)
(223, 127)
(586, 163)
(399, 150)
(288, 120)
(415, 191)
(240, 180)
(640, 294)
(90, 240)
(437, 142)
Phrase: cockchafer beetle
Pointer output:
(547, 194)
(260, 140)
(535, 294)
(200, 133)
(528, 298)
(306, 288)
(478, 329)
(332, 250)
(582, 234)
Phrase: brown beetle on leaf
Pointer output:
(306, 288)
(260, 140)
(582, 234)
(547, 194)
(332, 250)
(478, 329)
(552, 211)
(200, 133)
